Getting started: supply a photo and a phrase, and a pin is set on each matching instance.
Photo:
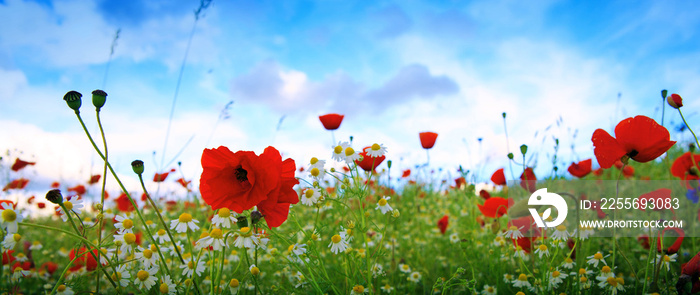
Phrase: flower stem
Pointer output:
(102, 198)
(691, 130)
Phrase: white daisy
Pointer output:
(513, 232)
(377, 270)
(522, 282)
(64, 290)
(147, 257)
(317, 170)
(245, 238)
(605, 273)
(11, 240)
(358, 289)
(585, 232)
(124, 224)
(167, 286)
(71, 203)
(338, 244)
(36, 245)
(383, 205)
(10, 217)
(188, 268)
(125, 242)
(339, 151)
(556, 277)
(351, 155)
(183, 222)
(311, 196)
(162, 236)
(146, 278)
(376, 150)
(666, 260)
(215, 239)
(233, 285)
(19, 273)
(297, 249)
(224, 218)
(560, 233)
(404, 268)
(454, 238)
(542, 250)
(489, 290)
(387, 288)
(596, 258)
(415, 277)
(121, 275)
(254, 270)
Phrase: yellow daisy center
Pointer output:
(612, 281)
(61, 288)
(338, 149)
(313, 161)
(309, 193)
(255, 270)
(190, 264)
(513, 228)
(127, 223)
(129, 238)
(234, 283)
(382, 202)
(582, 271)
(358, 289)
(490, 289)
(315, 172)
(376, 147)
(164, 288)
(568, 260)
(142, 275)
(16, 237)
(522, 277)
(555, 274)
(216, 233)
(246, 232)
(147, 253)
(9, 215)
(598, 256)
(185, 218)
(153, 248)
(584, 279)
(543, 247)
(161, 232)
(335, 239)
(561, 228)
(116, 276)
(349, 151)
(520, 293)
(667, 259)
(620, 281)
(67, 204)
(605, 269)
(314, 236)
(224, 213)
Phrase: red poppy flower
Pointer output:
(675, 101)
(498, 177)
(50, 267)
(528, 180)
(495, 207)
(484, 194)
(123, 203)
(628, 171)
(19, 183)
(160, 177)
(78, 189)
(94, 179)
(644, 241)
(241, 180)
(676, 244)
(639, 138)
(85, 260)
(41, 205)
(331, 121)
(427, 139)
(684, 168)
(406, 173)
(581, 169)
(55, 184)
(690, 272)
(460, 182)
(369, 163)
(656, 196)
(19, 164)
(442, 224)
(7, 257)
(183, 182)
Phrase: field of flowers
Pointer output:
(261, 224)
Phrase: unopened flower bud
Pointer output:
(54, 196)
(675, 101)
(510, 156)
(388, 164)
(137, 165)
(98, 98)
(664, 93)
(255, 217)
(523, 149)
(73, 99)
(504, 115)
(242, 221)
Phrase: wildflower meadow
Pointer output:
(262, 224)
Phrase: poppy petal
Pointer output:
(606, 149)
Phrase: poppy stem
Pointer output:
(427, 152)
(102, 194)
(691, 130)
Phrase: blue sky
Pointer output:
(393, 68)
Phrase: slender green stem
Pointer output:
(63, 273)
(691, 130)
(102, 197)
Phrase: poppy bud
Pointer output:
(388, 164)
(675, 101)
(73, 100)
(242, 221)
(523, 149)
(98, 98)
(510, 156)
(255, 217)
(691, 147)
(504, 115)
(54, 196)
(664, 93)
(137, 165)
